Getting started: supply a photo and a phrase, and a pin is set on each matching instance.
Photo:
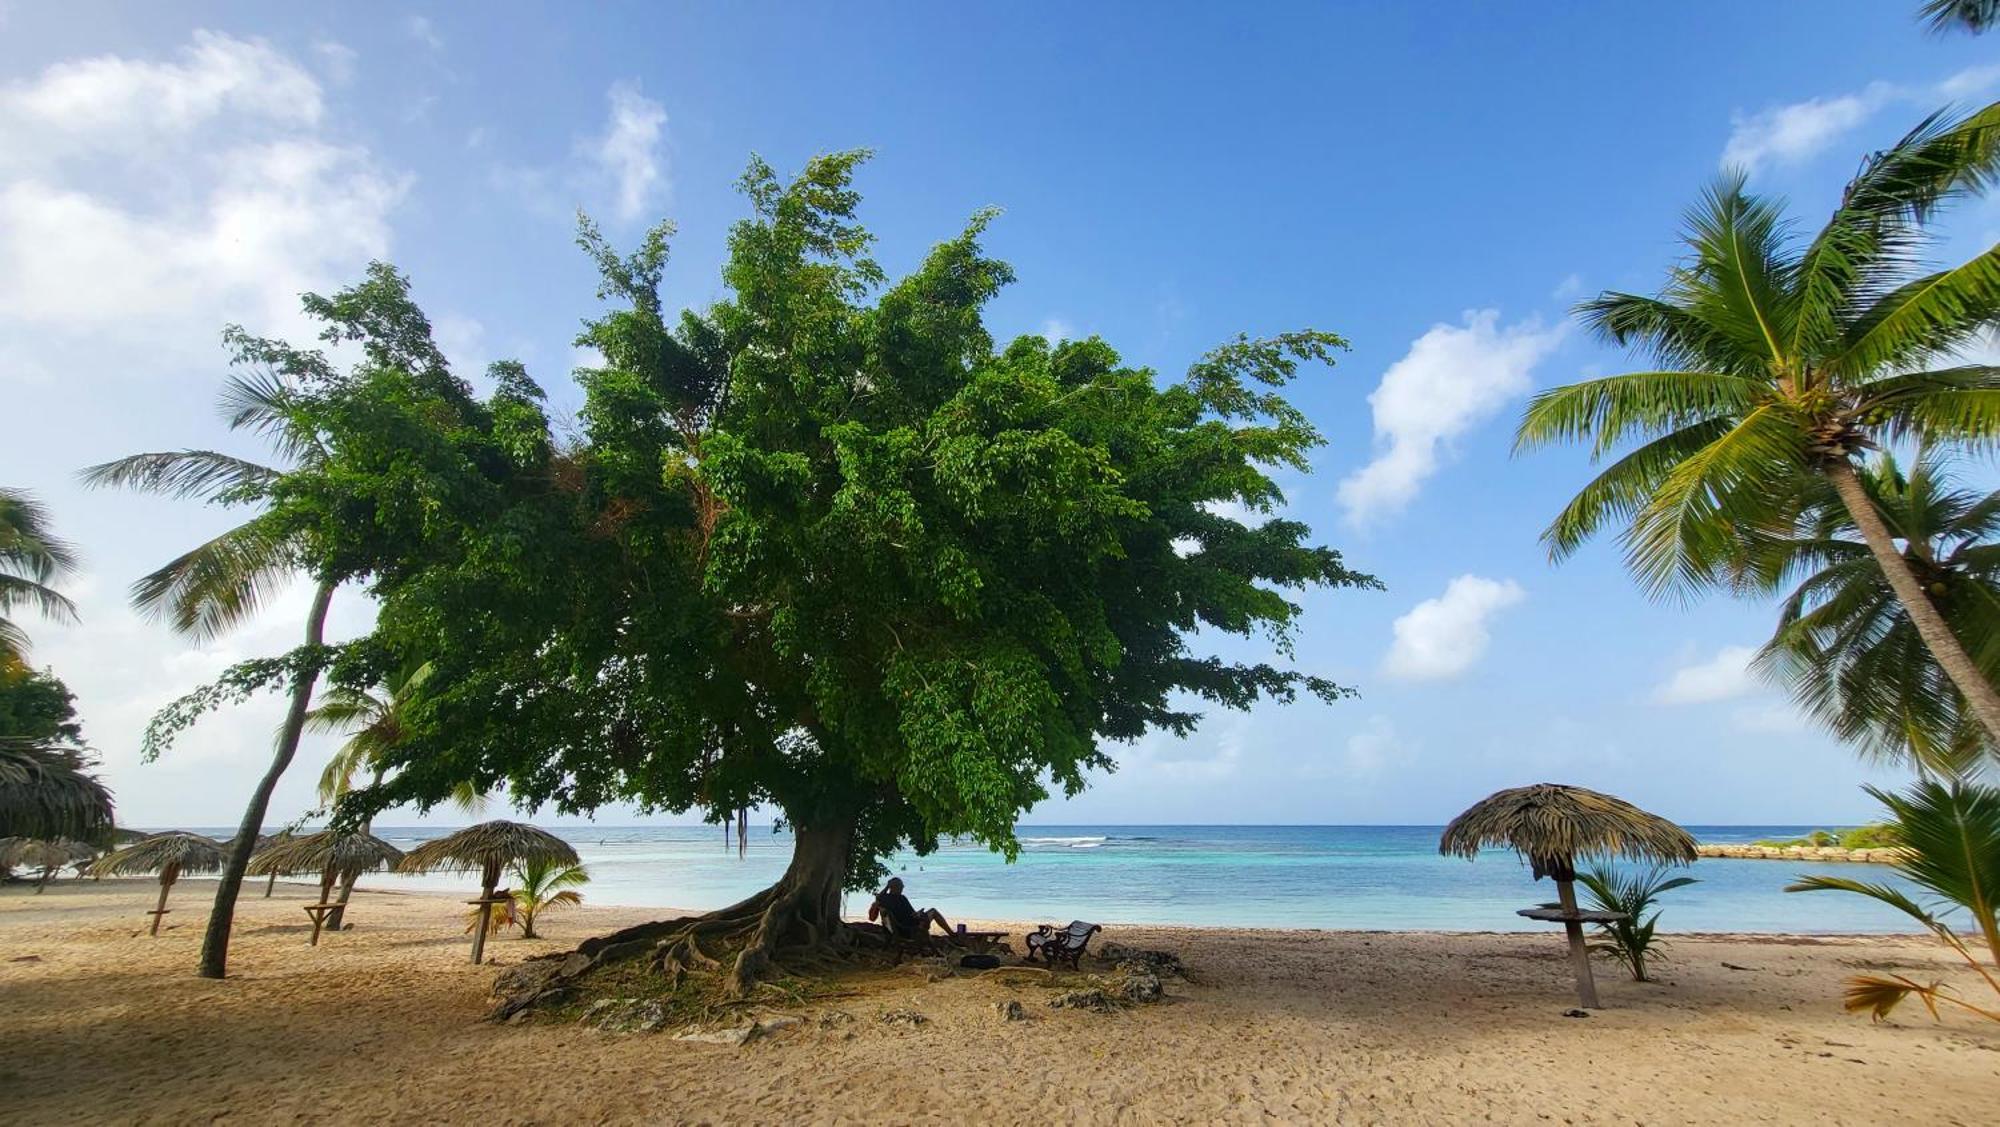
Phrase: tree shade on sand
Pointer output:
(1551, 825)
(170, 854)
(333, 855)
(487, 849)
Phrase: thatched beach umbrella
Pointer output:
(486, 848)
(333, 855)
(170, 854)
(45, 857)
(1552, 825)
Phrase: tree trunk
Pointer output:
(215, 944)
(795, 920)
(1931, 626)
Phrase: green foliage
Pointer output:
(1630, 940)
(1846, 644)
(1875, 835)
(36, 705)
(1973, 16)
(236, 684)
(1950, 839)
(544, 883)
(1777, 357)
(31, 559)
(821, 545)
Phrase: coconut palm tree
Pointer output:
(1844, 642)
(169, 854)
(1950, 838)
(376, 725)
(1974, 16)
(1551, 825)
(31, 558)
(487, 849)
(218, 585)
(545, 883)
(47, 791)
(1778, 360)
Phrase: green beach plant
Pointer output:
(1780, 360)
(1950, 834)
(545, 883)
(1632, 894)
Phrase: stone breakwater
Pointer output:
(1798, 853)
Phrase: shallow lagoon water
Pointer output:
(1349, 877)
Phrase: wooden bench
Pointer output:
(1061, 945)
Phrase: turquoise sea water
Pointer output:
(1358, 877)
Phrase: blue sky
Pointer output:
(1437, 183)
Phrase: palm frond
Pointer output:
(205, 474)
(1684, 537)
(1614, 408)
(205, 592)
(48, 791)
(1624, 487)
(260, 401)
(1940, 312)
(28, 546)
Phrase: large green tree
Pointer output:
(1844, 642)
(1781, 359)
(823, 546)
(216, 586)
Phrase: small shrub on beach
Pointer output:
(1630, 940)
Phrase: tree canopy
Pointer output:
(822, 544)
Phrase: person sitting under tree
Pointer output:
(894, 911)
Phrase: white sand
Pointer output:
(99, 1023)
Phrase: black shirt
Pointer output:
(897, 910)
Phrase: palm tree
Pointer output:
(1950, 835)
(31, 558)
(219, 584)
(1974, 16)
(1778, 361)
(1844, 643)
(546, 882)
(376, 725)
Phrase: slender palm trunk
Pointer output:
(215, 944)
(1931, 627)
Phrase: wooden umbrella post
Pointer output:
(167, 877)
(488, 880)
(1579, 955)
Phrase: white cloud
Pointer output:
(421, 30)
(198, 189)
(1724, 676)
(1445, 636)
(629, 152)
(1799, 131)
(336, 60)
(1374, 748)
(1055, 330)
(1453, 378)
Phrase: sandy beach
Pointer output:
(383, 1023)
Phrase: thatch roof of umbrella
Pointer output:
(35, 853)
(192, 853)
(47, 791)
(342, 854)
(122, 836)
(1552, 825)
(488, 846)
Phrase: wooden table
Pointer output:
(1558, 916)
(319, 912)
(978, 942)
